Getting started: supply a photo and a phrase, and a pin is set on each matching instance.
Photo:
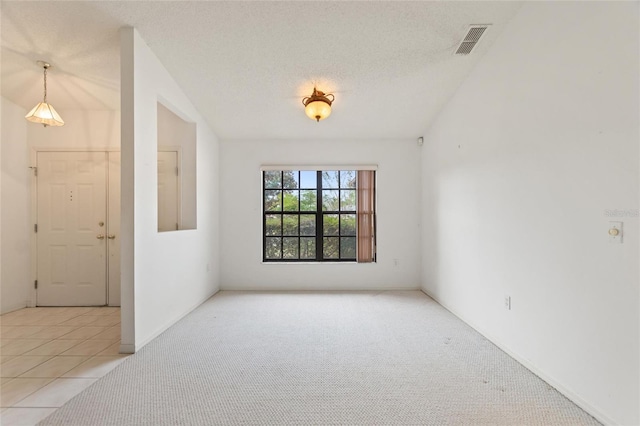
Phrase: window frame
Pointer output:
(319, 214)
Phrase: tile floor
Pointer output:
(49, 355)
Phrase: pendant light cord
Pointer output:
(45, 85)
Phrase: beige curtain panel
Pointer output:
(366, 216)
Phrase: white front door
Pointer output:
(71, 228)
(78, 220)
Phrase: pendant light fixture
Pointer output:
(45, 113)
(318, 105)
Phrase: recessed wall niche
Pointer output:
(176, 172)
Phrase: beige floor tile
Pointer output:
(63, 312)
(4, 380)
(56, 320)
(4, 342)
(105, 321)
(66, 311)
(108, 310)
(5, 358)
(49, 310)
(18, 389)
(53, 332)
(55, 367)
(114, 349)
(33, 312)
(24, 416)
(21, 364)
(112, 333)
(83, 333)
(18, 320)
(89, 347)
(12, 314)
(21, 346)
(41, 319)
(77, 310)
(54, 347)
(95, 367)
(56, 393)
(20, 331)
(81, 320)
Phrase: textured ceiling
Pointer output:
(247, 65)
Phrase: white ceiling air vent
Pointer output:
(471, 39)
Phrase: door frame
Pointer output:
(33, 241)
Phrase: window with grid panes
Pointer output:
(309, 215)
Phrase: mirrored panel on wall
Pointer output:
(176, 172)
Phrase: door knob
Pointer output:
(111, 237)
(100, 237)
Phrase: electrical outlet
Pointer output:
(507, 302)
(396, 263)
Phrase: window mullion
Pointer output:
(339, 214)
(299, 208)
(319, 219)
(281, 215)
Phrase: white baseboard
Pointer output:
(314, 289)
(575, 398)
(169, 323)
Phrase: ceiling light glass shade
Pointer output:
(318, 110)
(46, 114)
(318, 105)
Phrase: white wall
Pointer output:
(82, 129)
(164, 275)
(15, 273)
(87, 129)
(519, 171)
(398, 180)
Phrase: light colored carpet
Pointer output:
(363, 358)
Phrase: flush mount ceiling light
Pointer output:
(45, 113)
(318, 105)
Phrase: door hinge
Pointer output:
(35, 284)
(177, 227)
(35, 228)
(35, 171)
(177, 172)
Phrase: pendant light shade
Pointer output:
(45, 113)
(318, 105)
